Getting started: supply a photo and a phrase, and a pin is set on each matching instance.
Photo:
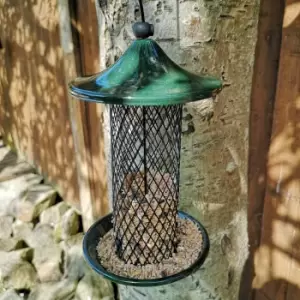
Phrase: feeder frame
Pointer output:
(146, 91)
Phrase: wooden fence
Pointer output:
(273, 268)
(43, 47)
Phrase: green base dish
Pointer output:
(102, 226)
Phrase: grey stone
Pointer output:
(231, 167)
(25, 254)
(13, 190)
(57, 233)
(94, 287)
(180, 290)
(75, 265)
(72, 240)
(5, 226)
(63, 290)
(41, 236)
(38, 198)
(15, 270)
(68, 226)
(10, 295)
(22, 277)
(70, 223)
(53, 215)
(48, 262)
(11, 244)
(21, 230)
(11, 165)
(164, 14)
(2, 288)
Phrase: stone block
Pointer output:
(37, 199)
(48, 262)
(63, 290)
(93, 287)
(5, 226)
(53, 215)
(10, 244)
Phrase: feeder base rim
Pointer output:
(103, 225)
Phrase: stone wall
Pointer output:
(215, 37)
(41, 256)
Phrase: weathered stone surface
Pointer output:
(10, 195)
(93, 286)
(38, 198)
(75, 265)
(41, 236)
(21, 230)
(10, 295)
(48, 262)
(53, 215)
(70, 223)
(68, 226)
(15, 270)
(195, 26)
(11, 244)
(11, 165)
(25, 254)
(63, 290)
(5, 226)
(72, 240)
(2, 288)
(190, 288)
(231, 167)
(22, 277)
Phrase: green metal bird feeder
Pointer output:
(145, 91)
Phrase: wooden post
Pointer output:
(80, 126)
(90, 63)
(277, 262)
(261, 115)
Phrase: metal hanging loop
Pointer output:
(142, 30)
(142, 10)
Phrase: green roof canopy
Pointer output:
(144, 75)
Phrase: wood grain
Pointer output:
(261, 114)
(45, 45)
(277, 260)
(34, 108)
(89, 54)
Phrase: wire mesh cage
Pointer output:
(145, 144)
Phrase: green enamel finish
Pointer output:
(144, 75)
(102, 226)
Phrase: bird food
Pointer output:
(146, 224)
(185, 254)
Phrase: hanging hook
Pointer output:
(142, 30)
(142, 10)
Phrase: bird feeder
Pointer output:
(145, 91)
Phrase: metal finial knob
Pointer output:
(143, 30)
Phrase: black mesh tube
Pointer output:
(145, 145)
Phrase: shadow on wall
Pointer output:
(35, 112)
(34, 109)
(276, 261)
